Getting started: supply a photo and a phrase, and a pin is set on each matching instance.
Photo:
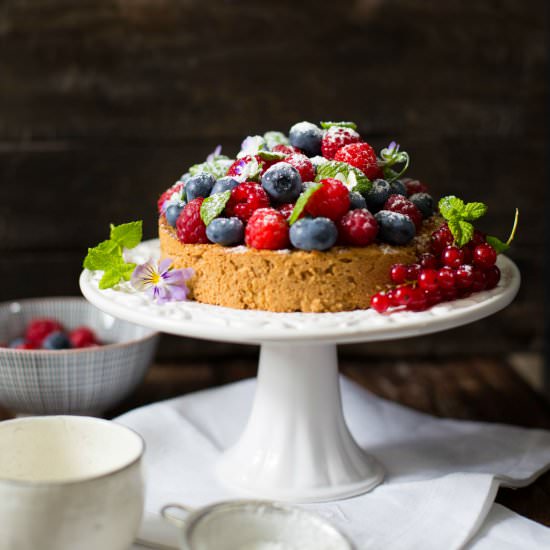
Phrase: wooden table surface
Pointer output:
(485, 389)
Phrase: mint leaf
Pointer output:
(302, 202)
(451, 207)
(127, 235)
(462, 231)
(102, 256)
(217, 167)
(213, 206)
(353, 178)
(473, 210)
(126, 270)
(343, 124)
(497, 244)
(271, 155)
(109, 280)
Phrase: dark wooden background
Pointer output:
(104, 103)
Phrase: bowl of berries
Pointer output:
(64, 356)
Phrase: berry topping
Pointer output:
(358, 227)
(282, 182)
(199, 186)
(414, 186)
(245, 199)
(313, 234)
(225, 231)
(485, 256)
(330, 201)
(362, 156)
(226, 183)
(267, 229)
(378, 195)
(424, 203)
(247, 168)
(189, 226)
(335, 138)
(56, 340)
(395, 228)
(286, 209)
(398, 203)
(39, 329)
(176, 188)
(82, 337)
(307, 137)
(173, 213)
(356, 200)
(303, 165)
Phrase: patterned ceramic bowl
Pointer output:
(85, 381)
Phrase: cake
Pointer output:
(312, 222)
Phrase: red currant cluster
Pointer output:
(442, 275)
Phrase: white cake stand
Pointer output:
(296, 445)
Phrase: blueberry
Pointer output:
(313, 234)
(356, 201)
(224, 184)
(199, 186)
(56, 340)
(225, 231)
(395, 228)
(16, 342)
(282, 182)
(378, 195)
(398, 188)
(424, 203)
(173, 213)
(307, 137)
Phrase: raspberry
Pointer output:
(362, 156)
(303, 165)
(39, 329)
(177, 187)
(245, 199)
(286, 210)
(414, 186)
(358, 227)
(267, 229)
(249, 167)
(82, 337)
(286, 149)
(330, 201)
(398, 203)
(189, 226)
(335, 138)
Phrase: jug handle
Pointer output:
(170, 518)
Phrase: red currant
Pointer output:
(441, 239)
(478, 238)
(485, 256)
(418, 301)
(427, 279)
(429, 261)
(480, 280)
(403, 295)
(391, 297)
(492, 277)
(446, 278)
(468, 255)
(398, 273)
(380, 302)
(464, 276)
(452, 256)
(412, 272)
(449, 294)
(434, 297)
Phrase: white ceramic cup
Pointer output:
(69, 483)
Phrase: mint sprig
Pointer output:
(459, 216)
(342, 124)
(213, 206)
(108, 257)
(271, 155)
(500, 246)
(353, 178)
(302, 201)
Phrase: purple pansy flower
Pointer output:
(161, 282)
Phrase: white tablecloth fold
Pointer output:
(442, 475)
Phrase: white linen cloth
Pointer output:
(441, 475)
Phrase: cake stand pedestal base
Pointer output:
(296, 446)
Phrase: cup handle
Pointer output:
(170, 518)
